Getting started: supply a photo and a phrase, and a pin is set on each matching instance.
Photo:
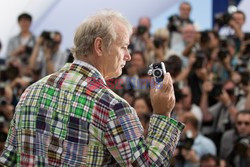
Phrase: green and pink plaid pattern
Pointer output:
(71, 118)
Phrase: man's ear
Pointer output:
(98, 46)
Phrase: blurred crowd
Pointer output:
(210, 70)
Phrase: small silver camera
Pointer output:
(157, 70)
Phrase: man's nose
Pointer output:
(127, 56)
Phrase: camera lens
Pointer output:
(157, 73)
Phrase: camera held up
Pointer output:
(48, 37)
(157, 70)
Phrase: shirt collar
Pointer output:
(89, 66)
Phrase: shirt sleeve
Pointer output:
(8, 157)
(124, 138)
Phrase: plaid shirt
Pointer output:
(71, 118)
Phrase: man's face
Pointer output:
(239, 19)
(214, 42)
(24, 24)
(209, 163)
(117, 54)
(243, 124)
(145, 22)
(137, 61)
(57, 40)
(185, 11)
(187, 100)
(189, 33)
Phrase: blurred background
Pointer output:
(53, 14)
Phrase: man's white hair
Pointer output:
(102, 24)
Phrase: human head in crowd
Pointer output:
(191, 123)
(161, 36)
(185, 9)
(239, 17)
(189, 33)
(129, 96)
(173, 65)
(243, 122)
(187, 100)
(24, 21)
(138, 60)
(143, 108)
(145, 21)
(209, 160)
(209, 40)
(57, 39)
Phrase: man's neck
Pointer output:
(25, 33)
(95, 63)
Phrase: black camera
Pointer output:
(174, 23)
(223, 52)
(28, 50)
(245, 77)
(3, 101)
(3, 135)
(217, 90)
(200, 58)
(49, 39)
(158, 71)
(185, 143)
(158, 42)
(222, 19)
(141, 29)
(241, 146)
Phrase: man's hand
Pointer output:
(162, 96)
(20, 50)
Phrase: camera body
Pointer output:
(174, 23)
(3, 100)
(200, 59)
(49, 38)
(241, 145)
(223, 19)
(157, 70)
(158, 42)
(28, 49)
(141, 30)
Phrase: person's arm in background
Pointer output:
(238, 32)
(226, 101)
(185, 72)
(148, 41)
(206, 88)
(48, 58)
(11, 51)
(124, 138)
(35, 52)
(247, 104)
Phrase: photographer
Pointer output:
(230, 25)
(220, 116)
(47, 57)
(141, 39)
(209, 160)
(190, 37)
(161, 51)
(20, 46)
(178, 21)
(193, 145)
(6, 109)
(233, 146)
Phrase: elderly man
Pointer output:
(71, 118)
